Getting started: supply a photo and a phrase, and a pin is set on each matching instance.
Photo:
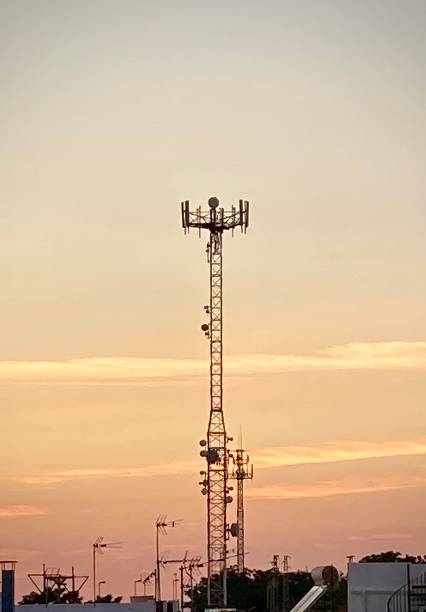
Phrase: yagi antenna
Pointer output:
(161, 525)
(98, 548)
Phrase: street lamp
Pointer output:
(134, 586)
(100, 583)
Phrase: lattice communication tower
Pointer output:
(242, 470)
(216, 220)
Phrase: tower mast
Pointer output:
(242, 470)
(216, 220)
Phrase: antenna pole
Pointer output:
(94, 574)
(216, 220)
(97, 547)
(181, 587)
(242, 470)
(160, 526)
(157, 571)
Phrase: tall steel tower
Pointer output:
(242, 470)
(216, 220)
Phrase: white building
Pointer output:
(136, 604)
(370, 585)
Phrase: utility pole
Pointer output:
(272, 589)
(286, 585)
(216, 220)
(182, 587)
(187, 565)
(175, 583)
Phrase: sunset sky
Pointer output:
(111, 113)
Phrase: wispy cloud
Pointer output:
(138, 370)
(342, 450)
(15, 511)
(19, 553)
(368, 537)
(275, 457)
(328, 488)
(162, 469)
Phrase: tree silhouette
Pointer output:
(393, 557)
(108, 599)
(56, 595)
(248, 590)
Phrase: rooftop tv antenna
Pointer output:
(187, 566)
(98, 549)
(161, 525)
(147, 580)
(216, 220)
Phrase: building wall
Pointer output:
(139, 606)
(371, 584)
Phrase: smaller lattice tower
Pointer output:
(242, 470)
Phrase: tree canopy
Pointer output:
(61, 596)
(252, 591)
(393, 557)
(56, 595)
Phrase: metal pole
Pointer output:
(99, 587)
(157, 574)
(175, 583)
(94, 574)
(181, 587)
(409, 586)
(46, 594)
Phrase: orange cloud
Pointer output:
(326, 452)
(162, 469)
(328, 488)
(19, 553)
(20, 510)
(146, 370)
